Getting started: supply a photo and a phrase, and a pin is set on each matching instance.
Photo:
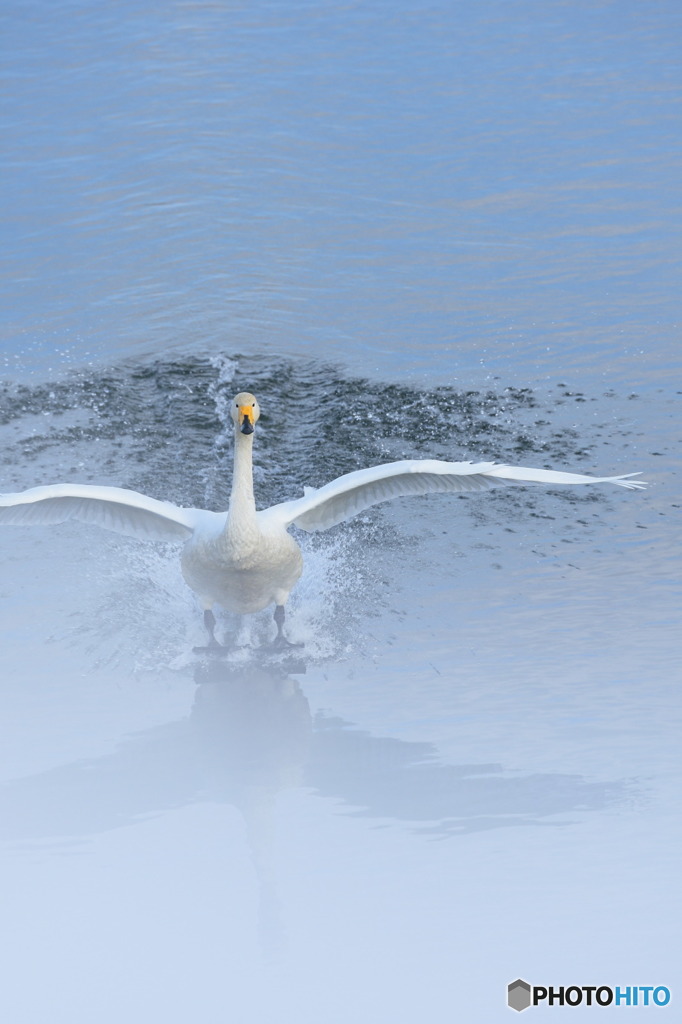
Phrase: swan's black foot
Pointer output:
(213, 646)
(280, 643)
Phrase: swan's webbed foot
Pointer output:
(216, 650)
(213, 646)
(280, 643)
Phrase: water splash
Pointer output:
(164, 428)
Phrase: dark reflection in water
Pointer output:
(252, 730)
(249, 737)
(384, 777)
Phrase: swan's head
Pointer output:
(245, 411)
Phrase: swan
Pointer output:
(244, 560)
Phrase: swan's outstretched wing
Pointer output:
(350, 494)
(112, 507)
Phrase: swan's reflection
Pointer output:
(250, 736)
(252, 730)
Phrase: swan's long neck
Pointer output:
(241, 517)
(242, 481)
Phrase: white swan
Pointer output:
(245, 560)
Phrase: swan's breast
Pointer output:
(245, 577)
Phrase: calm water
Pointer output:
(414, 230)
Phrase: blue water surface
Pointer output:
(417, 230)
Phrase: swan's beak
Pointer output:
(245, 421)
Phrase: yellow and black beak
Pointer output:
(246, 419)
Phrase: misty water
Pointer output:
(413, 231)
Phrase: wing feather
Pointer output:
(352, 493)
(114, 508)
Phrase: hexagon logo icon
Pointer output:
(518, 995)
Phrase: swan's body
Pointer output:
(242, 573)
(245, 560)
